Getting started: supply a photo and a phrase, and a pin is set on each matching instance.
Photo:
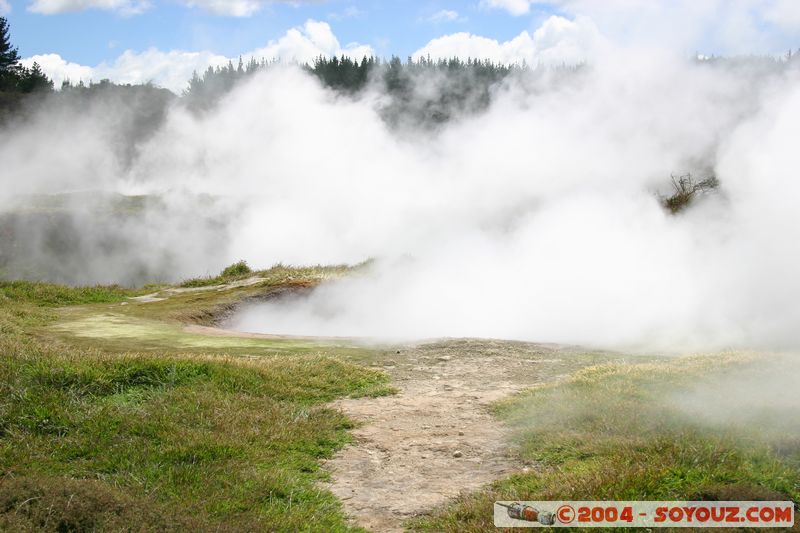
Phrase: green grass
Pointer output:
(93, 439)
(239, 268)
(50, 295)
(117, 332)
(624, 432)
(114, 418)
(233, 272)
(119, 325)
(277, 274)
(110, 202)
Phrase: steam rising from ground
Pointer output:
(765, 397)
(538, 219)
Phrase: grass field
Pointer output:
(97, 439)
(649, 431)
(113, 417)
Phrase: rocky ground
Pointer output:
(415, 450)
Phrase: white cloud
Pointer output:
(784, 14)
(59, 70)
(52, 7)
(231, 8)
(558, 40)
(170, 69)
(464, 45)
(350, 12)
(515, 7)
(309, 41)
(711, 26)
(173, 69)
(445, 15)
(5, 7)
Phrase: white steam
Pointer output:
(537, 219)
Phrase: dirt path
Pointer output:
(436, 438)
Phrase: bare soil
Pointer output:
(416, 450)
(436, 438)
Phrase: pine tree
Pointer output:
(9, 56)
(34, 79)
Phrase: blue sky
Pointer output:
(400, 28)
(163, 41)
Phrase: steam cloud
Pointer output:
(537, 219)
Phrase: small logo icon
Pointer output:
(526, 513)
(565, 514)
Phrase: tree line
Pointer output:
(460, 85)
(14, 77)
(17, 82)
(450, 86)
(351, 75)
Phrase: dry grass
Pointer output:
(277, 275)
(685, 190)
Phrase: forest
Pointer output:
(462, 85)
(459, 86)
